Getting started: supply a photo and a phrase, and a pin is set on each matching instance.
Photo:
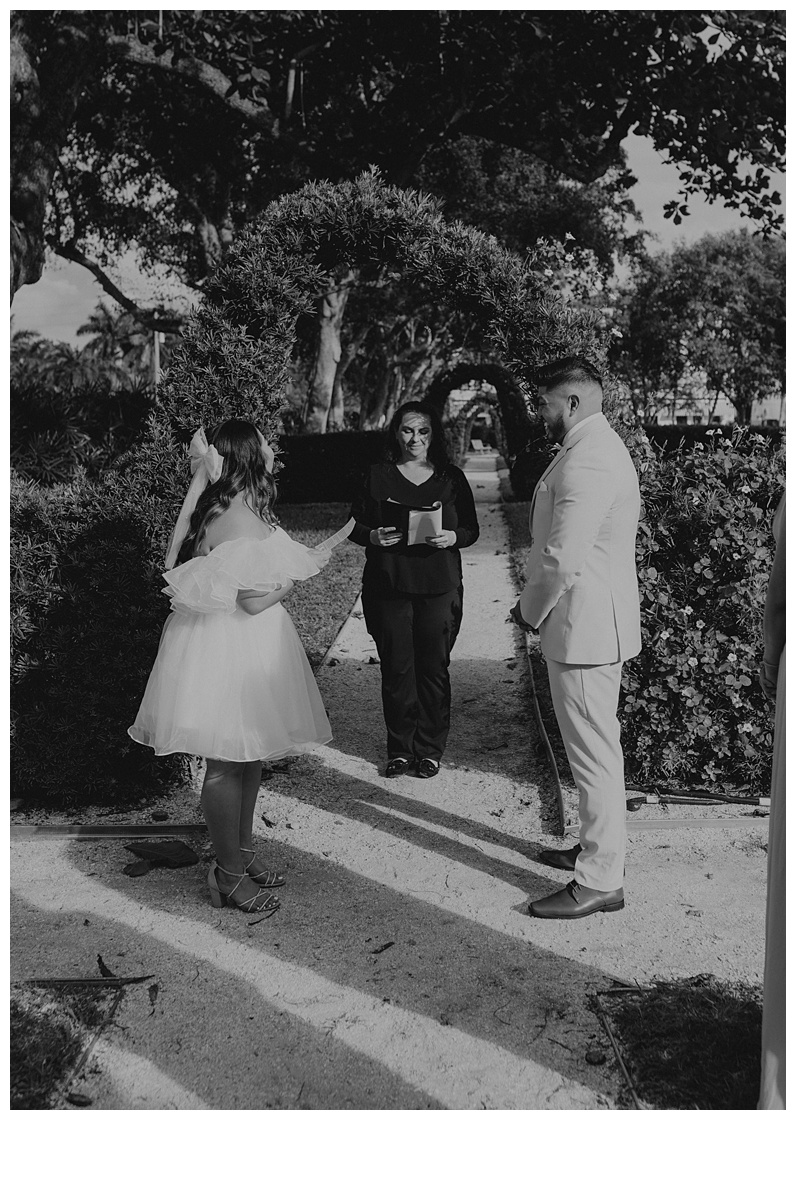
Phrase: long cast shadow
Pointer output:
(365, 802)
(495, 987)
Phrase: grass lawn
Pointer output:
(320, 606)
(690, 1043)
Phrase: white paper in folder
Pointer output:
(423, 523)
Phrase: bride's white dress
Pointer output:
(227, 685)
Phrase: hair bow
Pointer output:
(202, 455)
(206, 467)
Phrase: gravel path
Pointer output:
(402, 970)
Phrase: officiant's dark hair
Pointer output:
(437, 450)
(567, 370)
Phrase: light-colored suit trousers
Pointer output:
(586, 699)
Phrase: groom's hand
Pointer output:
(515, 615)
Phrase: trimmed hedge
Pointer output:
(326, 466)
(693, 713)
(531, 463)
(55, 434)
(86, 616)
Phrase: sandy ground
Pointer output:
(402, 970)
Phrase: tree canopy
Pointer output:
(707, 318)
(173, 128)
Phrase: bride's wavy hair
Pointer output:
(244, 470)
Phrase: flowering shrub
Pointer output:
(693, 714)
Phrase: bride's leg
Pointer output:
(222, 796)
(258, 869)
(250, 786)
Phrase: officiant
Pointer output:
(414, 514)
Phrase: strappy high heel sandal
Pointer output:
(263, 902)
(264, 879)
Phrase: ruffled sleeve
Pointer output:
(210, 583)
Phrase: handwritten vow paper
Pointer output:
(336, 538)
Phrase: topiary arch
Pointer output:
(237, 346)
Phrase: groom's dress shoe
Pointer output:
(576, 900)
(564, 859)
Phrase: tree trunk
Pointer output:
(349, 353)
(43, 103)
(330, 308)
(371, 416)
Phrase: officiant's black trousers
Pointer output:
(414, 635)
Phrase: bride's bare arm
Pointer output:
(256, 602)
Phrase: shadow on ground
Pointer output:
(341, 949)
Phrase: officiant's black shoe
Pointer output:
(576, 900)
(427, 768)
(564, 859)
(397, 766)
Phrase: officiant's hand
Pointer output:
(385, 535)
(444, 540)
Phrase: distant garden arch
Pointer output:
(513, 429)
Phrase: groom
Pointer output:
(582, 598)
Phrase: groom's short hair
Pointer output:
(567, 370)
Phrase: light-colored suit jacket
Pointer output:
(582, 589)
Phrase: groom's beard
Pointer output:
(557, 430)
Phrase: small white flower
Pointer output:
(665, 634)
(747, 727)
(688, 610)
(692, 662)
(700, 624)
(732, 658)
(746, 489)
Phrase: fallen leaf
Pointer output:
(381, 949)
(79, 1100)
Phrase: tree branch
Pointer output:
(129, 49)
(71, 253)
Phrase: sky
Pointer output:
(66, 294)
